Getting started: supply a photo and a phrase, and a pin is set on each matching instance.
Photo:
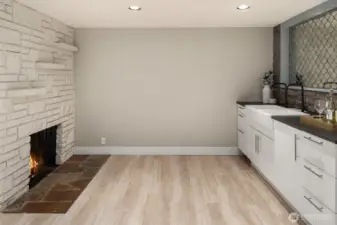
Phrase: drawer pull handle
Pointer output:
(312, 203)
(240, 131)
(296, 138)
(317, 142)
(257, 144)
(313, 172)
(256, 140)
(241, 115)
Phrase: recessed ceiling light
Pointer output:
(243, 7)
(135, 8)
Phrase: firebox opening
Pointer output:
(42, 155)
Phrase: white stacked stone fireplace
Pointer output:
(36, 91)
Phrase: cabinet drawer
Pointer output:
(320, 184)
(242, 125)
(318, 152)
(314, 211)
(241, 110)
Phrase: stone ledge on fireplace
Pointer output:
(57, 192)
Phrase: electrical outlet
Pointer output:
(103, 141)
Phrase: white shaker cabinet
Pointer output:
(255, 142)
(242, 130)
(248, 138)
(261, 152)
(300, 166)
(241, 141)
(266, 156)
(253, 145)
(318, 179)
(286, 168)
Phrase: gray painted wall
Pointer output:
(166, 87)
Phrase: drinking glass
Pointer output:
(320, 106)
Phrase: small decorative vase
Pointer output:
(266, 94)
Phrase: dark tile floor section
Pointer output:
(59, 190)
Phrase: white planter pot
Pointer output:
(266, 94)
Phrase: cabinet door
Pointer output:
(252, 145)
(241, 131)
(249, 143)
(266, 157)
(287, 168)
(242, 142)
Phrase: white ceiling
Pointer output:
(170, 13)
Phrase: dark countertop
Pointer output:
(244, 103)
(294, 121)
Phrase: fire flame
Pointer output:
(33, 165)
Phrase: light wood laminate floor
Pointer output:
(176, 190)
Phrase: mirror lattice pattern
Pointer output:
(313, 50)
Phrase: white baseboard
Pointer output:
(115, 150)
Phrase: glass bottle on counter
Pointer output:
(331, 107)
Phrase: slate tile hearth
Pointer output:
(59, 190)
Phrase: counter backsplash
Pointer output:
(294, 98)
